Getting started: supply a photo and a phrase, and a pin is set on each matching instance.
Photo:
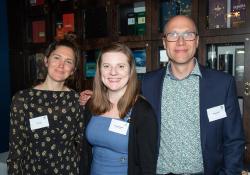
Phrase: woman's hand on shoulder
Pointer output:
(85, 96)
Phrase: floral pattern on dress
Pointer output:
(54, 149)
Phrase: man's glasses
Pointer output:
(174, 36)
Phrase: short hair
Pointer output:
(69, 40)
(187, 17)
(99, 102)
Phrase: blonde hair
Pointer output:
(99, 102)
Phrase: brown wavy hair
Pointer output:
(99, 102)
(70, 41)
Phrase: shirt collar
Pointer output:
(195, 72)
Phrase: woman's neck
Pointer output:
(114, 97)
(52, 86)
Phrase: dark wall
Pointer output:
(15, 13)
(5, 94)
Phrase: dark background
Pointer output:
(5, 96)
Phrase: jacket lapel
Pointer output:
(203, 110)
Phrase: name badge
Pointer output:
(118, 126)
(39, 122)
(216, 113)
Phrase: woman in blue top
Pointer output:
(122, 127)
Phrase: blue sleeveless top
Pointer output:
(110, 149)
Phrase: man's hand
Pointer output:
(85, 96)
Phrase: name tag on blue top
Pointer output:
(118, 126)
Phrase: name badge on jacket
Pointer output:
(39, 122)
(118, 126)
(216, 113)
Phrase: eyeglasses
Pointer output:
(174, 36)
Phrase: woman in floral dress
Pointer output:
(46, 121)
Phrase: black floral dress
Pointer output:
(50, 149)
